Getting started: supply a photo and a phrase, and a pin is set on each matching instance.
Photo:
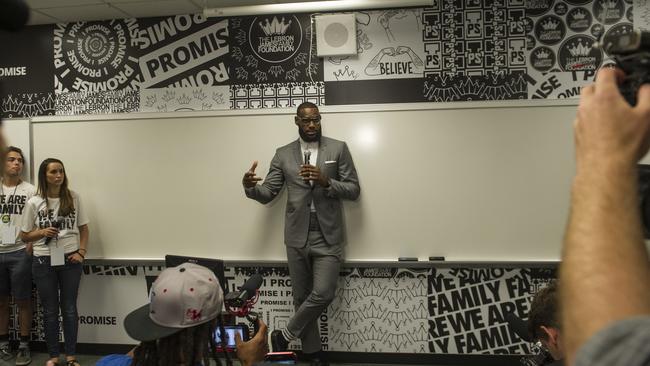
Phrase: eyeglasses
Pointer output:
(308, 121)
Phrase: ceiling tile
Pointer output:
(36, 17)
(85, 13)
(157, 8)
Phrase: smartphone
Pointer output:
(230, 345)
(286, 358)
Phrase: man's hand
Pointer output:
(607, 129)
(255, 349)
(312, 173)
(250, 179)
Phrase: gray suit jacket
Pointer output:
(335, 161)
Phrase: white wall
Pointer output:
(469, 184)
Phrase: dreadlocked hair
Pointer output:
(192, 346)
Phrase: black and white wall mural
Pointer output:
(454, 50)
(563, 40)
(455, 310)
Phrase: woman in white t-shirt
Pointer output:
(55, 221)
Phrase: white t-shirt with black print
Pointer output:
(39, 215)
(12, 204)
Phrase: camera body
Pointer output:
(631, 52)
(541, 356)
(229, 337)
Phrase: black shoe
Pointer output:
(318, 362)
(278, 343)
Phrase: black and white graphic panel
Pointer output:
(389, 46)
(26, 72)
(26, 63)
(183, 51)
(492, 86)
(374, 91)
(104, 102)
(101, 317)
(276, 95)
(563, 38)
(99, 56)
(474, 37)
(467, 308)
(96, 56)
(641, 14)
(200, 98)
(28, 105)
(380, 310)
(275, 302)
(273, 49)
(558, 85)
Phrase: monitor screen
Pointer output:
(216, 265)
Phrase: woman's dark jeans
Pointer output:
(58, 287)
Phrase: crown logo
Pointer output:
(276, 70)
(346, 74)
(184, 99)
(218, 97)
(48, 102)
(579, 49)
(608, 4)
(151, 100)
(11, 105)
(542, 54)
(275, 27)
(550, 24)
(168, 95)
(251, 61)
(579, 15)
(198, 94)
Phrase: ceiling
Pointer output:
(63, 11)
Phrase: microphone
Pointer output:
(519, 326)
(247, 292)
(307, 155)
(56, 223)
(14, 14)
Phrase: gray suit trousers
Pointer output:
(314, 271)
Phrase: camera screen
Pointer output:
(230, 335)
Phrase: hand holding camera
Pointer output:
(631, 52)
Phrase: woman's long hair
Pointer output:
(191, 347)
(66, 203)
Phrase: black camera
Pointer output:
(540, 356)
(631, 52)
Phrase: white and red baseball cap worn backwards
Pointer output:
(181, 297)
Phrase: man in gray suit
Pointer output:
(319, 173)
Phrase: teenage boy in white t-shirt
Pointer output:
(15, 256)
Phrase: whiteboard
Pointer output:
(17, 133)
(469, 184)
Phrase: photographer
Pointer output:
(605, 297)
(543, 322)
(178, 326)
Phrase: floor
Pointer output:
(39, 359)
